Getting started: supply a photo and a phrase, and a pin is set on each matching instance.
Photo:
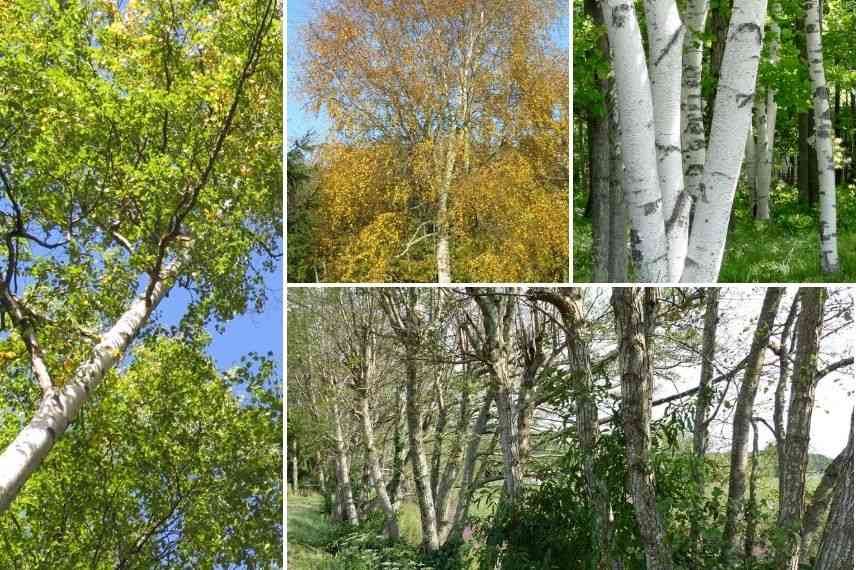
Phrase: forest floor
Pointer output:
(782, 250)
(309, 532)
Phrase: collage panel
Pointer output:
(570, 427)
(141, 284)
(428, 141)
(714, 142)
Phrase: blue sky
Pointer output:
(300, 120)
(251, 332)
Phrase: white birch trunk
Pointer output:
(693, 133)
(763, 168)
(764, 174)
(61, 405)
(343, 472)
(729, 129)
(666, 33)
(750, 163)
(823, 140)
(636, 114)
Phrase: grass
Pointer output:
(309, 532)
(785, 249)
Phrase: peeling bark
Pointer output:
(792, 478)
(836, 546)
(636, 386)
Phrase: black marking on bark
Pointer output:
(690, 262)
(52, 432)
(667, 149)
(702, 193)
(810, 28)
(652, 207)
(821, 92)
(723, 174)
(751, 27)
(619, 15)
(697, 144)
(635, 252)
(694, 169)
(682, 205)
(744, 99)
(672, 41)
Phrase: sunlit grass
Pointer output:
(784, 250)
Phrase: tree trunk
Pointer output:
(792, 482)
(729, 129)
(823, 139)
(750, 164)
(497, 316)
(294, 484)
(743, 419)
(820, 500)
(60, 406)
(636, 113)
(617, 206)
(752, 505)
(694, 139)
(836, 546)
(444, 263)
(705, 393)
(344, 490)
(599, 128)
(762, 156)
(636, 394)
(803, 162)
(428, 515)
(665, 40)
(785, 350)
(376, 479)
(766, 149)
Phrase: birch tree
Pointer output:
(636, 395)
(115, 161)
(823, 139)
(743, 419)
(445, 84)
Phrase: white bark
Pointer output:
(823, 139)
(636, 115)
(765, 153)
(763, 168)
(729, 129)
(60, 406)
(693, 128)
(343, 472)
(666, 33)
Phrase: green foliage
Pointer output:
(175, 465)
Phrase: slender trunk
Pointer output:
(693, 133)
(599, 128)
(375, 473)
(743, 418)
(468, 473)
(452, 468)
(822, 140)
(762, 155)
(836, 546)
(636, 382)
(421, 477)
(636, 113)
(444, 264)
(750, 164)
(60, 406)
(792, 484)
(344, 489)
(322, 474)
(803, 162)
(294, 484)
(766, 149)
(785, 350)
(617, 206)
(729, 129)
(705, 394)
(752, 504)
(666, 38)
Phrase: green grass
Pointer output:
(784, 250)
(309, 532)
